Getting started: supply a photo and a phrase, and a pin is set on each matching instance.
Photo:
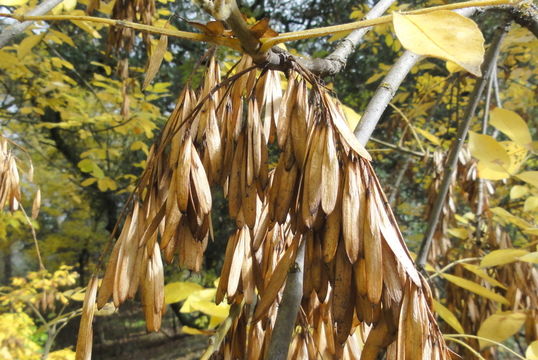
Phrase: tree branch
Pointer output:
(526, 14)
(11, 31)
(288, 309)
(487, 68)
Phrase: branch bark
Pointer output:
(11, 31)
(288, 309)
(487, 68)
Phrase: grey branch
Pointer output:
(384, 93)
(11, 31)
(288, 308)
(487, 67)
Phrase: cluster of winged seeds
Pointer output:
(361, 291)
(10, 193)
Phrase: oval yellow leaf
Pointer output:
(210, 308)
(530, 177)
(518, 191)
(442, 34)
(477, 289)
(499, 327)
(531, 204)
(532, 351)
(530, 257)
(448, 316)
(475, 269)
(512, 125)
(12, 2)
(493, 159)
(502, 257)
(180, 290)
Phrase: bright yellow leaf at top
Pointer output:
(442, 34)
(499, 327)
(12, 2)
(512, 125)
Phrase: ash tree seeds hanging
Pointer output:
(322, 191)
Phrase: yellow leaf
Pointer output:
(108, 69)
(474, 287)
(155, 60)
(530, 257)
(453, 67)
(205, 294)
(106, 183)
(178, 291)
(442, 34)
(433, 139)
(447, 316)
(12, 2)
(210, 308)
(512, 125)
(27, 44)
(460, 233)
(88, 181)
(501, 257)
(532, 351)
(475, 269)
(84, 25)
(69, 4)
(531, 204)
(518, 191)
(493, 160)
(499, 327)
(530, 177)
(352, 117)
(517, 155)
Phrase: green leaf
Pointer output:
(442, 34)
(499, 327)
(502, 257)
(477, 289)
(447, 316)
(179, 291)
(433, 139)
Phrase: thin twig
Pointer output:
(224, 327)
(398, 148)
(480, 181)
(34, 236)
(487, 67)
